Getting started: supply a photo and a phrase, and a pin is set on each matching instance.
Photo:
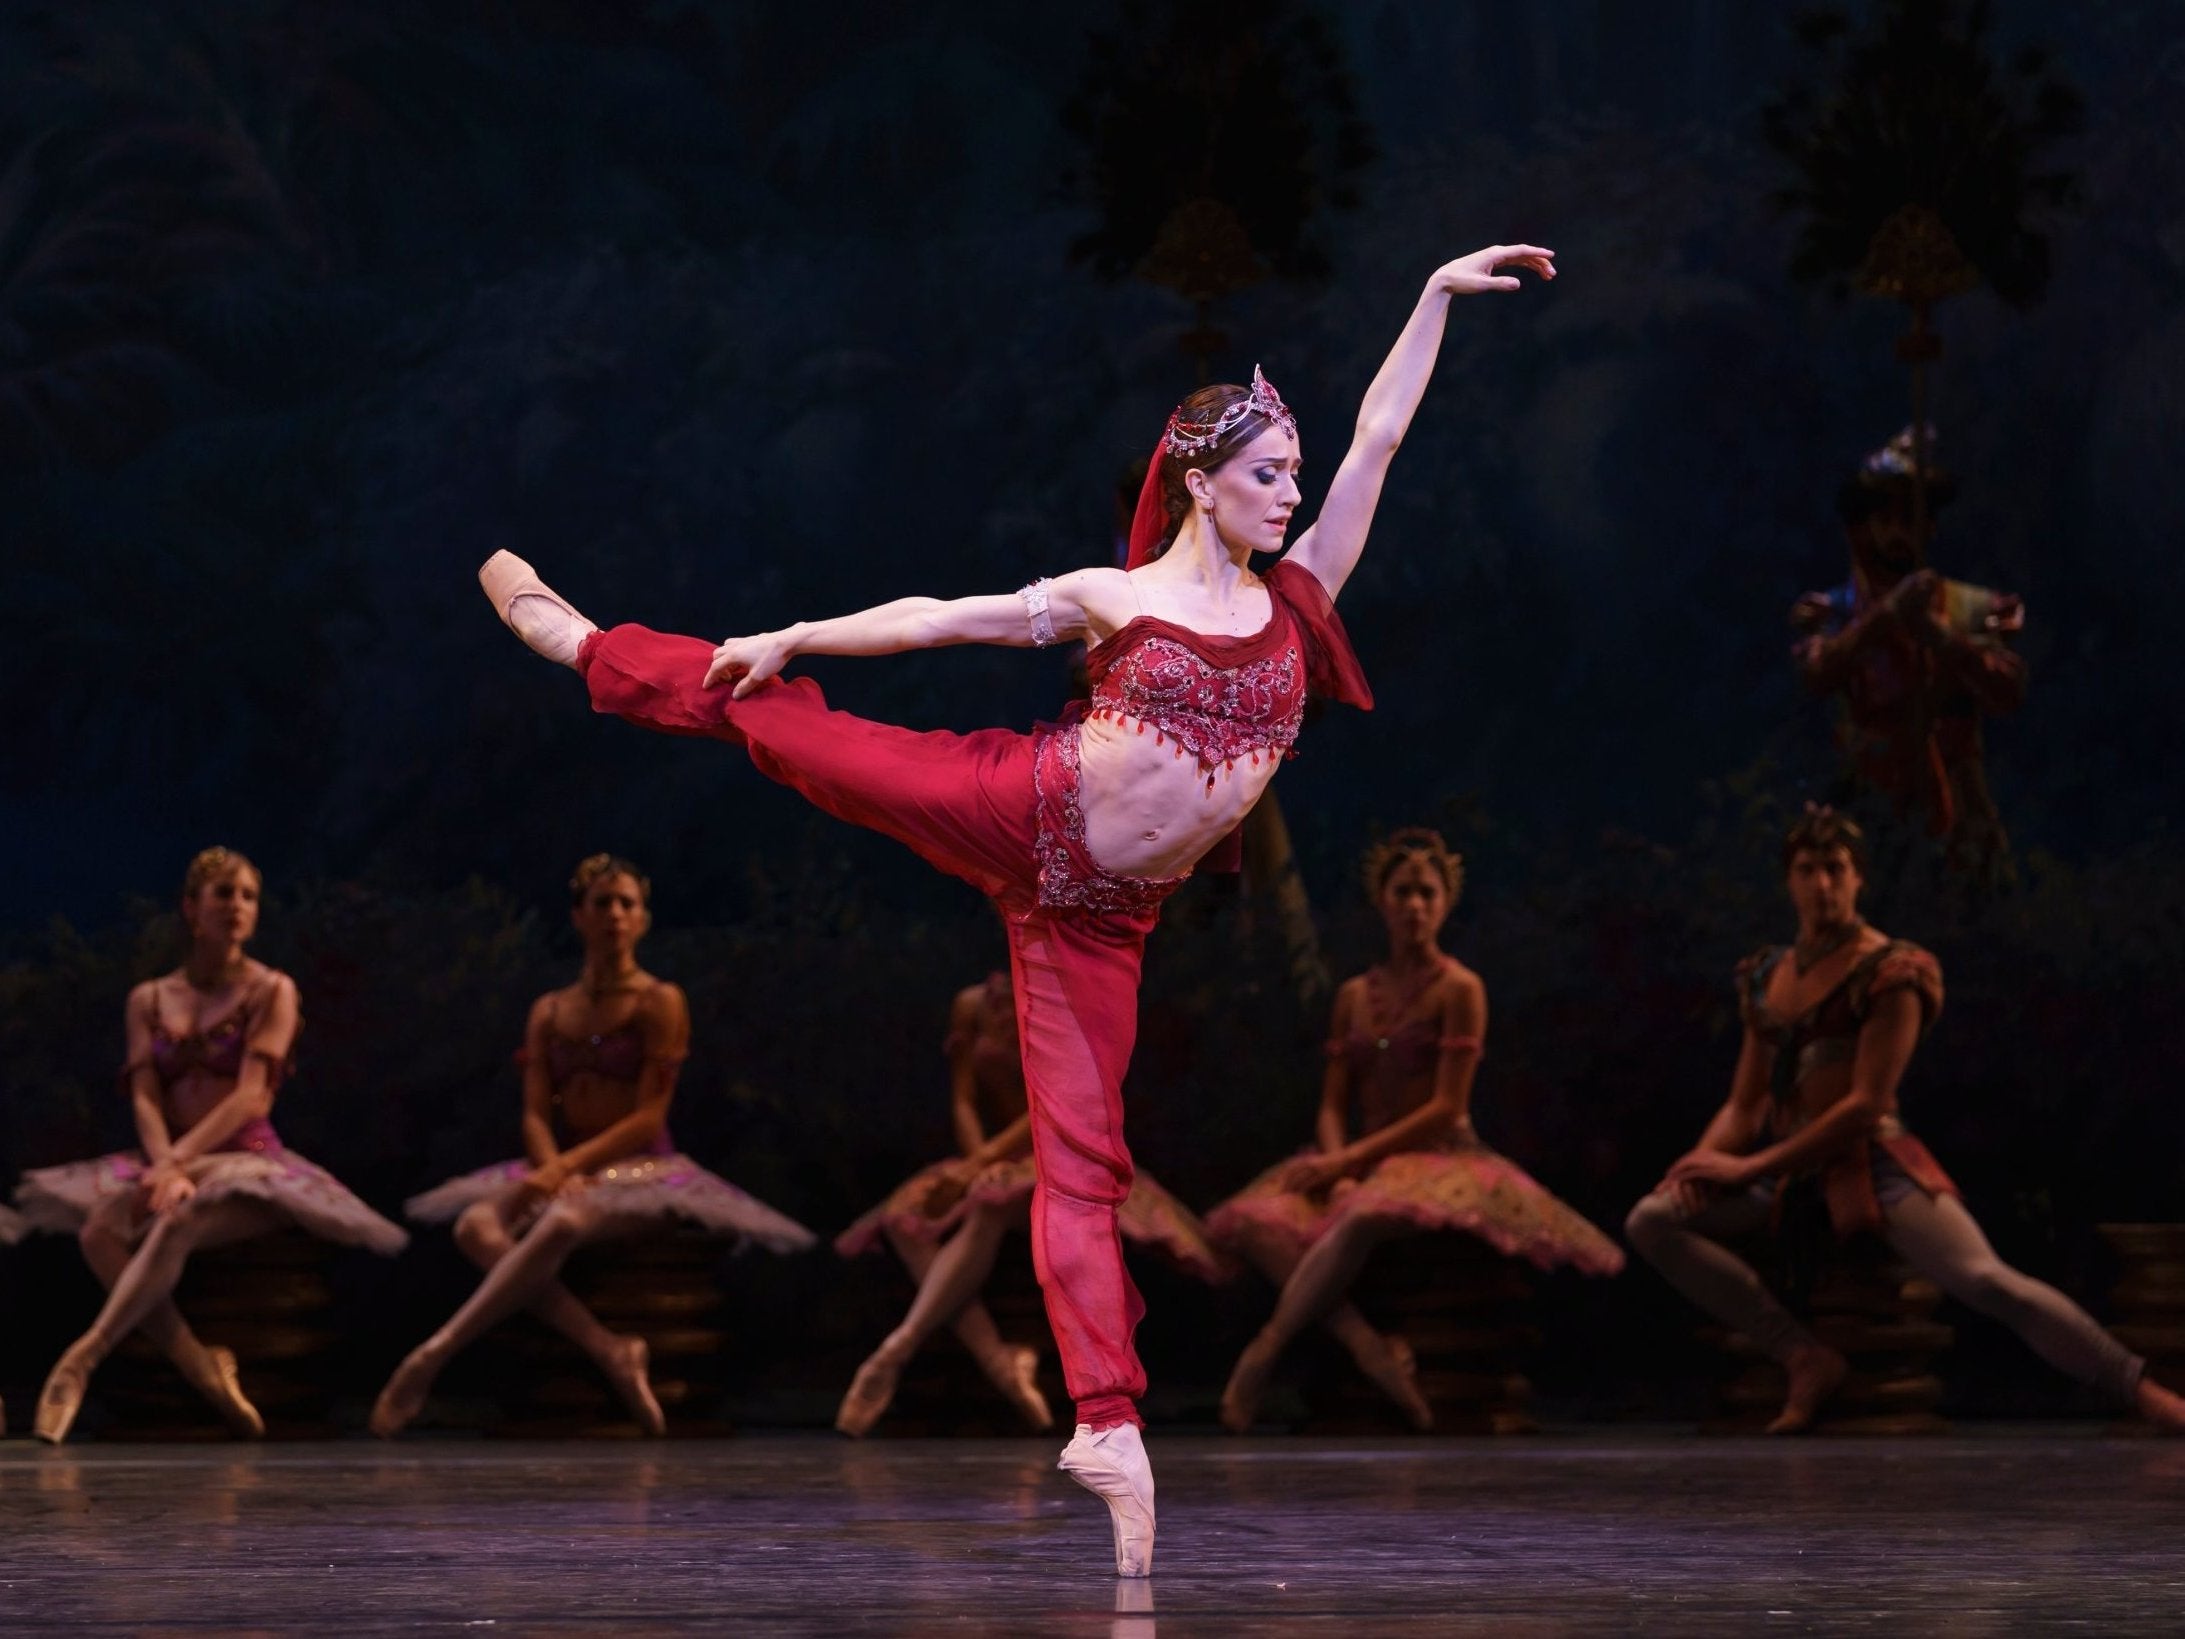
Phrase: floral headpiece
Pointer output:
(1187, 438)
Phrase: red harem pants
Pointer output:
(969, 804)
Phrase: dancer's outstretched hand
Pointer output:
(750, 660)
(1474, 274)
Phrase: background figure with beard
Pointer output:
(1917, 660)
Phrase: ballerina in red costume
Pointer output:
(947, 1221)
(1199, 669)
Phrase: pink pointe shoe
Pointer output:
(534, 611)
(1112, 1465)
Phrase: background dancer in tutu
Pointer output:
(1200, 670)
(600, 1060)
(1403, 1045)
(947, 1221)
(208, 1048)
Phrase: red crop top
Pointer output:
(1220, 699)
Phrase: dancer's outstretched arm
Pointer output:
(1086, 603)
(1330, 548)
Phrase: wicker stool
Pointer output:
(2147, 1304)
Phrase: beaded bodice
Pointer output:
(1216, 699)
(617, 1054)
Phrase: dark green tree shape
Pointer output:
(1214, 138)
(1921, 163)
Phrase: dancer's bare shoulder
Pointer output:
(1094, 603)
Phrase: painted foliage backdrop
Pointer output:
(304, 309)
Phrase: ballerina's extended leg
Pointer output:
(534, 611)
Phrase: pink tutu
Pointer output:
(63, 1198)
(665, 1189)
(1149, 1216)
(1467, 1187)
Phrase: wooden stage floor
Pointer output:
(2051, 1529)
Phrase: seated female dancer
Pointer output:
(600, 1059)
(1199, 670)
(1402, 1046)
(208, 1048)
(973, 1201)
(1830, 1024)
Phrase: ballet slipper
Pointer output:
(534, 611)
(1247, 1381)
(628, 1372)
(2159, 1406)
(60, 1400)
(1816, 1371)
(404, 1396)
(1112, 1465)
(223, 1386)
(1396, 1375)
(868, 1397)
(1015, 1371)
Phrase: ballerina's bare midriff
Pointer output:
(595, 1057)
(1150, 812)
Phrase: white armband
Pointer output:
(1036, 611)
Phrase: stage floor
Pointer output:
(1572, 1533)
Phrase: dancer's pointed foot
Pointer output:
(61, 1398)
(534, 611)
(2159, 1406)
(1112, 1465)
(1015, 1371)
(626, 1367)
(1816, 1371)
(869, 1394)
(222, 1384)
(1395, 1372)
(1247, 1382)
(405, 1394)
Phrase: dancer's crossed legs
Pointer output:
(950, 1278)
(523, 1272)
(1315, 1288)
(140, 1283)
